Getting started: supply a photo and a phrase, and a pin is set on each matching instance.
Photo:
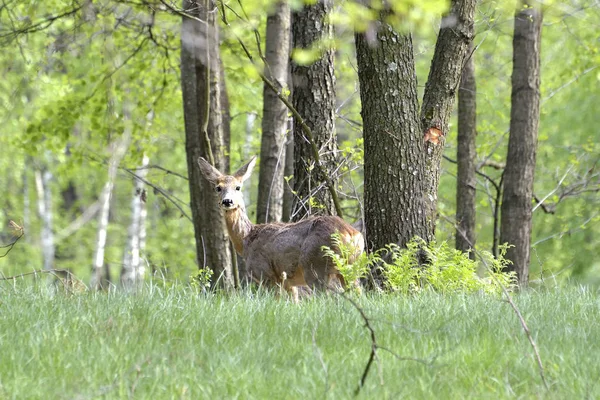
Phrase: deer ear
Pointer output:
(208, 171)
(244, 172)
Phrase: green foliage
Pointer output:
(341, 253)
(65, 88)
(446, 269)
(201, 280)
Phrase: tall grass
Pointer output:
(173, 343)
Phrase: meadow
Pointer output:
(176, 343)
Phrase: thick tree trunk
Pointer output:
(456, 33)
(465, 156)
(394, 206)
(44, 192)
(522, 144)
(132, 271)
(204, 134)
(313, 96)
(275, 116)
(403, 147)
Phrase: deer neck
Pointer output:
(238, 226)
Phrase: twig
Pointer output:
(20, 230)
(40, 25)
(159, 190)
(305, 128)
(161, 168)
(374, 345)
(54, 272)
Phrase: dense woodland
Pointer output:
(467, 122)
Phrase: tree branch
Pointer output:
(17, 229)
(305, 128)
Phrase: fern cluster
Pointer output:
(445, 269)
(342, 253)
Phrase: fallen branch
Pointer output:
(70, 277)
(510, 301)
(375, 346)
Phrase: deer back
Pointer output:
(270, 250)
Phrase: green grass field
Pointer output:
(173, 343)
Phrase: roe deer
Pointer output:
(284, 254)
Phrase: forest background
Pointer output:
(91, 95)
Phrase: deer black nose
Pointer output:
(227, 202)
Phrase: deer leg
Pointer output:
(293, 283)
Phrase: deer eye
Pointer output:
(218, 188)
(238, 188)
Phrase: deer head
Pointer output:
(229, 187)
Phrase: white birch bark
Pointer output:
(133, 270)
(118, 149)
(44, 192)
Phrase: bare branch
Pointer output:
(305, 128)
(39, 25)
(19, 231)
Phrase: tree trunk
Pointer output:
(403, 147)
(225, 116)
(26, 200)
(288, 196)
(44, 192)
(313, 96)
(465, 156)
(393, 144)
(100, 274)
(522, 143)
(204, 134)
(456, 33)
(275, 116)
(132, 272)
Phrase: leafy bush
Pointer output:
(201, 280)
(446, 269)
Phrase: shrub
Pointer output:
(446, 269)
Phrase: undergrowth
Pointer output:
(445, 269)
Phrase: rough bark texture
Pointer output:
(313, 96)
(393, 143)
(456, 33)
(520, 160)
(288, 196)
(225, 115)
(403, 147)
(204, 134)
(465, 156)
(275, 116)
